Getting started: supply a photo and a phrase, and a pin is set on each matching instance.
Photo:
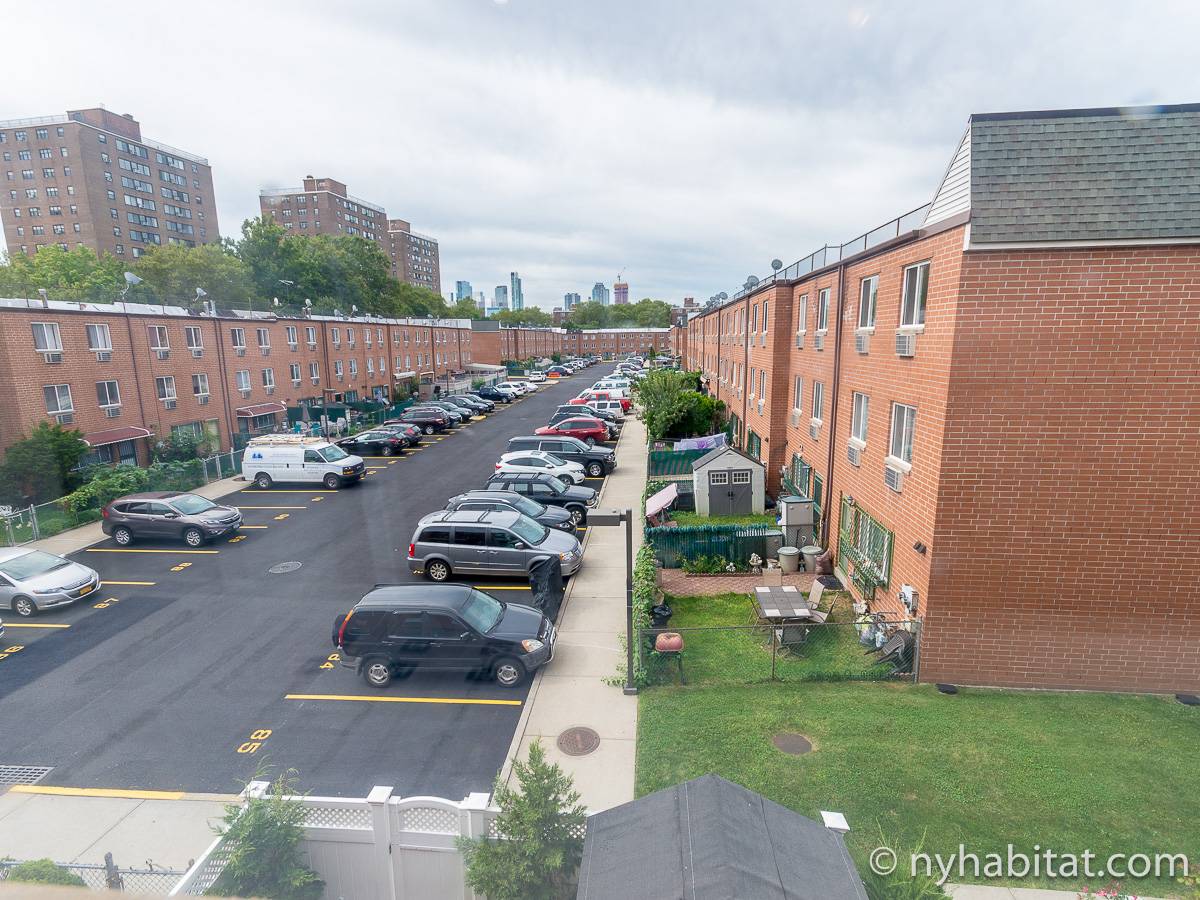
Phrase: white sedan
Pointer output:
(541, 461)
(537, 376)
(520, 388)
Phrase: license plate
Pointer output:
(86, 590)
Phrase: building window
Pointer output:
(353, 367)
(858, 420)
(904, 420)
(243, 380)
(753, 444)
(823, 310)
(46, 338)
(200, 385)
(158, 338)
(310, 336)
(867, 545)
(866, 301)
(762, 384)
(99, 338)
(764, 318)
(108, 394)
(916, 286)
(336, 336)
(818, 400)
(295, 370)
(337, 368)
(238, 337)
(798, 400)
(264, 339)
(753, 378)
(314, 372)
(58, 399)
(195, 338)
(291, 336)
(164, 386)
(268, 378)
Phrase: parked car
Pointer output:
(588, 397)
(529, 386)
(539, 461)
(376, 442)
(168, 514)
(456, 413)
(574, 410)
(547, 490)
(596, 461)
(606, 408)
(396, 628)
(33, 580)
(557, 372)
(590, 431)
(411, 433)
(466, 407)
(497, 501)
(495, 543)
(426, 418)
(289, 457)
(517, 387)
(488, 392)
(478, 403)
(537, 376)
(614, 430)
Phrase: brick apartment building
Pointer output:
(993, 401)
(88, 178)
(325, 206)
(607, 343)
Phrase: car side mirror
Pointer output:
(171, 515)
(518, 546)
(465, 636)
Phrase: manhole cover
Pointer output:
(284, 567)
(578, 741)
(23, 774)
(795, 744)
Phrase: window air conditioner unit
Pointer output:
(292, 347)
(163, 354)
(813, 430)
(862, 343)
(295, 382)
(65, 418)
(761, 403)
(103, 356)
(170, 404)
(270, 390)
(245, 395)
(52, 358)
(312, 345)
(819, 342)
(893, 478)
(315, 380)
(197, 352)
(111, 412)
(906, 344)
(799, 340)
(340, 377)
(241, 351)
(265, 351)
(794, 418)
(202, 399)
(854, 455)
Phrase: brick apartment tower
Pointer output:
(993, 402)
(89, 179)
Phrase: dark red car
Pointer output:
(590, 431)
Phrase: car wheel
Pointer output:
(24, 607)
(387, 450)
(429, 429)
(508, 672)
(576, 516)
(263, 480)
(437, 571)
(590, 441)
(595, 470)
(332, 482)
(193, 537)
(377, 673)
(122, 536)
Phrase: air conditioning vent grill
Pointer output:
(245, 395)
(854, 455)
(52, 358)
(163, 354)
(893, 478)
(270, 390)
(819, 342)
(794, 418)
(862, 343)
(65, 418)
(103, 356)
(906, 344)
(240, 351)
(265, 351)
(202, 399)
(800, 340)
(813, 430)
(170, 404)
(312, 345)
(111, 412)
(197, 352)
(292, 347)
(315, 380)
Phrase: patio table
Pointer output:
(786, 607)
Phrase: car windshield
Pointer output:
(527, 507)
(334, 453)
(191, 504)
(32, 564)
(554, 460)
(482, 612)
(556, 484)
(529, 531)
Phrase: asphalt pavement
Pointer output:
(182, 672)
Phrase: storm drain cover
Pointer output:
(23, 774)
(795, 744)
(284, 567)
(578, 741)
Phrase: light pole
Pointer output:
(601, 518)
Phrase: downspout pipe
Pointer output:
(833, 400)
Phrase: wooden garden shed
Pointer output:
(729, 483)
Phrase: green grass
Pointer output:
(692, 518)
(831, 653)
(1070, 771)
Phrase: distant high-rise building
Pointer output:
(620, 293)
(600, 293)
(415, 257)
(518, 295)
(462, 290)
(96, 158)
(502, 296)
(570, 301)
(481, 301)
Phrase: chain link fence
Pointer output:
(109, 876)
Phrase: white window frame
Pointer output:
(310, 335)
(116, 389)
(164, 387)
(740, 477)
(802, 318)
(798, 399)
(823, 310)
(859, 418)
(921, 271)
(268, 377)
(99, 332)
(354, 368)
(868, 304)
(50, 335)
(237, 338)
(718, 478)
(314, 370)
(337, 368)
(818, 401)
(762, 384)
(160, 340)
(263, 336)
(242, 377)
(292, 335)
(59, 390)
(370, 365)
(335, 335)
(764, 316)
(753, 380)
(901, 438)
(193, 337)
(200, 384)
(295, 372)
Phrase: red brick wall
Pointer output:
(1067, 538)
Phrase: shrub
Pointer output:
(112, 482)
(39, 468)
(711, 565)
(44, 871)
(901, 883)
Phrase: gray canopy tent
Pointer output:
(711, 839)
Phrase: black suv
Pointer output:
(574, 410)
(596, 461)
(504, 501)
(397, 627)
(428, 420)
(374, 443)
(490, 393)
(546, 490)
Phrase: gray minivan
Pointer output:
(494, 543)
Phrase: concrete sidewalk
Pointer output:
(571, 690)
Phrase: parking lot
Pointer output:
(191, 667)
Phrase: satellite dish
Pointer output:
(353, 309)
(777, 264)
(275, 301)
(201, 293)
(722, 296)
(307, 303)
(131, 279)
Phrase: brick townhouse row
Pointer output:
(606, 343)
(994, 402)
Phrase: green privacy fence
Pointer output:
(672, 463)
(733, 542)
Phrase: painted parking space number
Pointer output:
(9, 651)
(331, 660)
(255, 742)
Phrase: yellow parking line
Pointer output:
(272, 507)
(466, 701)
(499, 587)
(36, 625)
(124, 550)
(273, 491)
(374, 468)
(95, 792)
(138, 583)
(253, 526)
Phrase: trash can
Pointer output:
(811, 552)
(789, 560)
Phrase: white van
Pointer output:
(293, 457)
(612, 406)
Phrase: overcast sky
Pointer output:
(684, 144)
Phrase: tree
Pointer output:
(590, 315)
(531, 315)
(465, 308)
(38, 468)
(542, 843)
(64, 274)
(172, 273)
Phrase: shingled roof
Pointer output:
(1078, 175)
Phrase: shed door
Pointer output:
(719, 493)
(741, 501)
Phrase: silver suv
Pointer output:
(495, 543)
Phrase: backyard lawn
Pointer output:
(1069, 771)
(683, 517)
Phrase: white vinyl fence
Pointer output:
(378, 848)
